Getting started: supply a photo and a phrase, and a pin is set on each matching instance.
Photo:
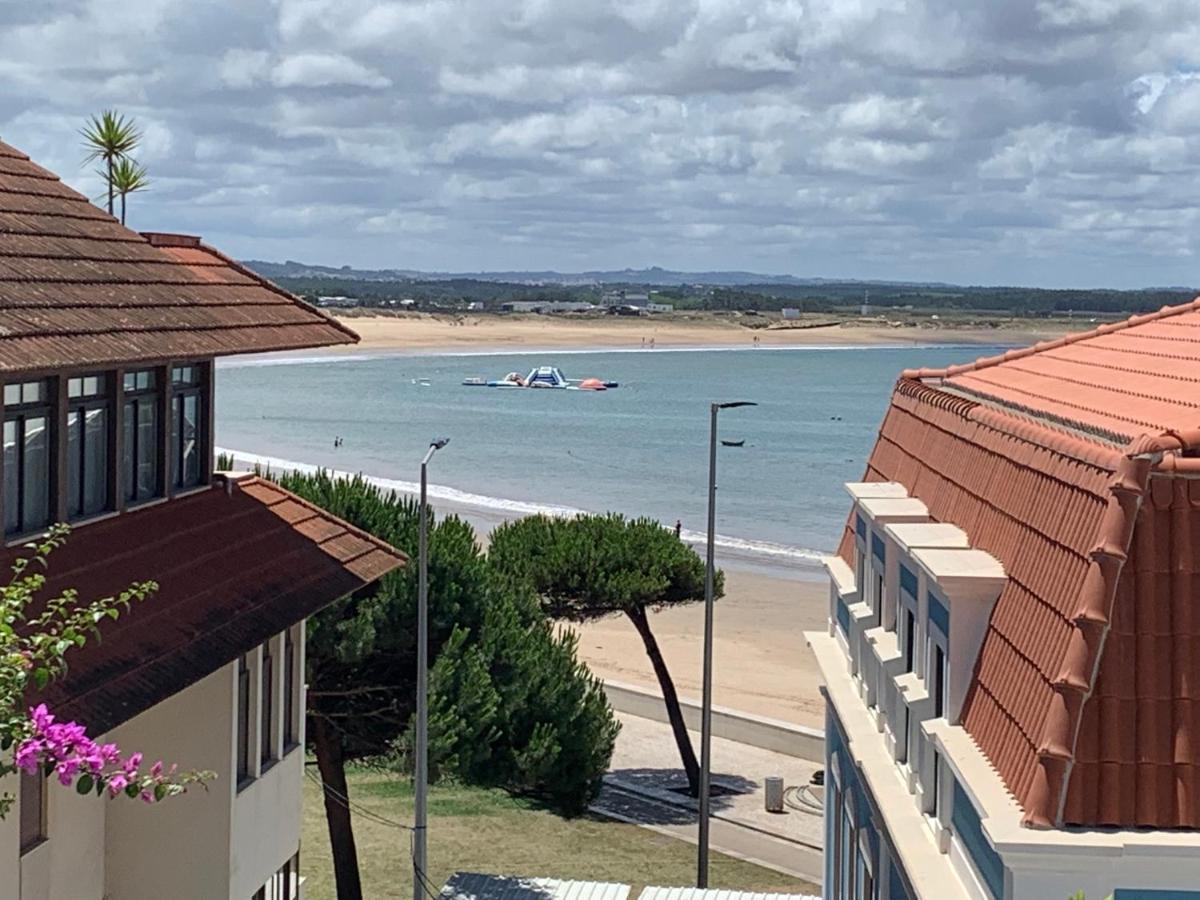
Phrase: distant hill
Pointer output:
(655, 276)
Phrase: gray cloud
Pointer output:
(1031, 141)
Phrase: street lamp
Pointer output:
(706, 709)
(421, 773)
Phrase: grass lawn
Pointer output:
(477, 830)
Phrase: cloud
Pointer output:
(1030, 141)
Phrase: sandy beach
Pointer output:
(761, 664)
(467, 332)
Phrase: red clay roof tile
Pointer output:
(67, 269)
(1053, 488)
(231, 573)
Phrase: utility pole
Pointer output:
(421, 773)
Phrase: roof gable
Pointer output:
(1117, 381)
(78, 289)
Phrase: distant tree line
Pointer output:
(822, 297)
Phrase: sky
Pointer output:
(1035, 142)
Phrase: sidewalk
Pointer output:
(646, 785)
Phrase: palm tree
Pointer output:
(110, 137)
(127, 176)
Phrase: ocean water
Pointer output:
(641, 449)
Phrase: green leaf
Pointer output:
(160, 791)
(41, 677)
(85, 784)
(132, 791)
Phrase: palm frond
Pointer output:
(110, 136)
(129, 176)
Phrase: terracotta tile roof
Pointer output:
(235, 564)
(79, 289)
(1119, 381)
(1086, 689)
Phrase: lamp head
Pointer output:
(736, 403)
(439, 443)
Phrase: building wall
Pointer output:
(179, 848)
(225, 841)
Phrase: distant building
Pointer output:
(1013, 646)
(337, 302)
(790, 312)
(546, 306)
(660, 307)
(625, 298)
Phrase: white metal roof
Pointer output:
(691, 893)
(476, 886)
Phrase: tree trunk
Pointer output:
(110, 186)
(682, 739)
(332, 764)
(122, 209)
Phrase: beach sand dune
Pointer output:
(468, 332)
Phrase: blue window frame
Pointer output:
(965, 820)
(938, 614)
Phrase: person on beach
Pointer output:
(678, 527)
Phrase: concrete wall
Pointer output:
(757, 731)
(179, 848)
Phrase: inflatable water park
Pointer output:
(545, 378)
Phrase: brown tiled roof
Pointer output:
(79, 289)
(1086, 696)
(235, 564)
(1120, 380)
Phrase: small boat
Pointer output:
(741, 443)
(543, 378)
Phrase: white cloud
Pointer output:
(1029, 140)
(319, 70)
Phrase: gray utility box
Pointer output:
(773, 793)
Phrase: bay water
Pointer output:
(640, 449)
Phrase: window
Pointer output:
(186, 432)
(836, 798)
(88, 422)
(244, 772)
(284, 884)
(142, 479)
(939, 682)
(27, 446)
(289, 689)
(268, 707)
(910, 627)
(878, 610)
(33, 810)
(846, 852)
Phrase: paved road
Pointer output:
(785, 856)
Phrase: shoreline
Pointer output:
(527, 333)
(762, 664)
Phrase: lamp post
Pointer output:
(421, 773)
(706, 709)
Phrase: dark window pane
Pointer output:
(36, 475)
(289, 685)
(95, 462)
(147, 450)
(74, 461)
(129, 449)
(191, 440)
(12, 479)
(33, 810)
(243, 720)
(267, 707)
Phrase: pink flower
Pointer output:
(156, 769)
(27, 754)
(117, 782)
(147, 797)
(132, 764)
